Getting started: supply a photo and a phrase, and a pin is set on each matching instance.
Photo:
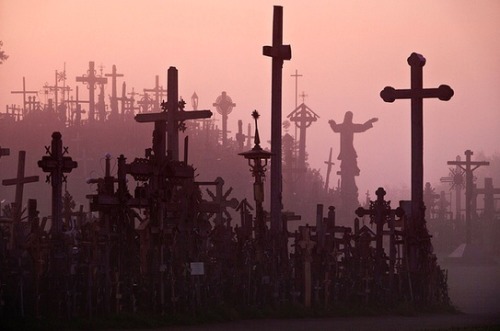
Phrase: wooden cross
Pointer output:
(78, 111)
(56, 164)
(91, 80)
(417, 94)
(224, 105)
(19, 182)
(221, 199)
(303, 117)
(24, 93)
(329, 164)
(489, 198)
(4, 151)
(468, 166)
(159, 93)
(279, 53)
(114, 99)
(169, 120)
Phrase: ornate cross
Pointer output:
(224, 105)
(417, 94)
(303, 117)
(56, 164)
(91, 80)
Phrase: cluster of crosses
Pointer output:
(164, 248)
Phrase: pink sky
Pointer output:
(347, 52)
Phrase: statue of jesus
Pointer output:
(348, 156)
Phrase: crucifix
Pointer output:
(303, 117)
(19, 182)
(329, 164)
(279, 53)
(468, 166)
(224, 105)
(170, 120)
(159, 94)
(56, 164)
(24, 93)
(114, 99)
(91, 80)
(417, 94)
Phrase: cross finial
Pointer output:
(380, 193)
(256, 115)
(303, 95)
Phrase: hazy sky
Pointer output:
(347, 52)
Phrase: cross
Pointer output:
(24, 93)
(296, 76)
(114, 99)
(91, 80)
(19, 182)
(380, 213)
(456, 178)
(170, 119)
(489, 198)
(329, 164)
(159, 93)
(222, 202)
(303, 95)
(125, 102)
(78, 111)
(307, 245)
(303, 117)
(224, 105)
(468, 166)
(240, 136)
(417, 94)
(279, 53)
(56, 164)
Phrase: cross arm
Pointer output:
(15, 181)
(282, 52)
(362, 212)
(390, 94)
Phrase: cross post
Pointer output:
(19, 182)
(417, 94)
(24, 93)
(56, 164)
(114, 99)
(279, 53)
(169, 120)
(329, 164)
(159, 93)
(468, 166)
(91, 80)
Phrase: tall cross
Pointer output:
(224, 105)
(19, 182)
(56, 164)
(329, 164)
(170, 119)
(296, 76)
(279, 53)
(114, 99)
(468, 166)
(417, 94)
(159, 93)
(303, 116)
(91, 80)
(456, 178)
(24, 93)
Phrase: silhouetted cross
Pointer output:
(159, 93)
(24, 93)
(114, 98)
(417, 94)
(91, 80)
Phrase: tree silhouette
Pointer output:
(3, 56)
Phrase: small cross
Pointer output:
(159, 93)
(303, 95)
(24, 93)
